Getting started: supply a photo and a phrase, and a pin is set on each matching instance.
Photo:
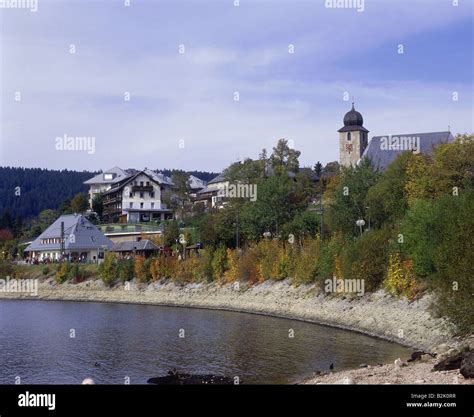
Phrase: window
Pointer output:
(152, 194)
(349, 136)
(152, 205)
(131, 205)
(131, 195)
(141, 183)
(141, 205)
(142, 194)
(148, 183)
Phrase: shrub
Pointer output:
(125, 269)
(219, 262)
(76, 273)
(306, 262)
(248, 266)
(232, 273)
(268, 258)
(401, 278)
(46, 270)
(108, 268)
(141, 271)
(63, 272)
(284, 264)
(372, 258)
(186, 271)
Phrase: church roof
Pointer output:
(383, 150)
(353, 121)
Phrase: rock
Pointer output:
(176, 378)
(88, 381)
(346, 381)
(399, 363)
(450, 363)
(418, 355)
(442, 348)
(467, 365)
(363, 365)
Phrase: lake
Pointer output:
(65, 342)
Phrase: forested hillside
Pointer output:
(41, 189)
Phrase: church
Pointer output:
(382, 150)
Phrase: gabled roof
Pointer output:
(159, 177)
(79, 233)
(218, 179)
(156, 177)
(196, 183)
(129, 246)
(120, 175)
(382, 157)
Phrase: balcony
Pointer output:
(140, 188)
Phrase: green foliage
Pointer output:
(63, 272)
(386, 200)
(219, 263)
(306, 262)
(79, 204)
(439, 236)
(98, 205)
(108, 269)
(367, 258)
(125, 269)
(171, 233)
(347, 198)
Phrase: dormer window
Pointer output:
(109, 176)
(349, 136)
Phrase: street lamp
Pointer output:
(267, 235)
(360, 223)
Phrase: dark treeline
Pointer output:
(203, 175)
(25, 192)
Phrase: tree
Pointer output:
(318, 168)
(98, 205)
(387, 201)
(171, 233)
(79, 203)
(284, 159)
(47, 218)
(347, 194)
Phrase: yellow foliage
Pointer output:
(401, 279)
(232, 273)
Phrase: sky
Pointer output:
(200, 84)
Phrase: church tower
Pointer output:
(353, 138)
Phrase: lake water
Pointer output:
(115, 343)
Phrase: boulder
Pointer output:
(467, 365)
(450, 363)
(176, 378)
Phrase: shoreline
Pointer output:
(376, 315)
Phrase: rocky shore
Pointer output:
(377, 314)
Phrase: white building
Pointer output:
(71, 236)
(138, 198)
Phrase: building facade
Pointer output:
(70, 237)
(137, 199)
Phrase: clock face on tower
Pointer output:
(349, 147)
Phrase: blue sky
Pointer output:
(189, 97)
